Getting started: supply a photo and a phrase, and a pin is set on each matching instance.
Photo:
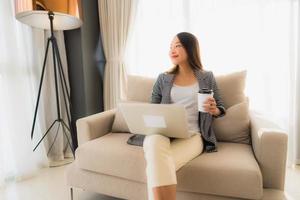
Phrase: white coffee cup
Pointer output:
(203, 94)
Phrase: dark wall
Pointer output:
(86, 65)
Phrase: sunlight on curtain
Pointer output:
(19, 70)
(259, 36)
(155, 25)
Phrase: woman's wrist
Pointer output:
(217, 112)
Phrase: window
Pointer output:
(253, 35)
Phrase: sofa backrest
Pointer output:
(233, 127)
(139, 88)
(231, 88)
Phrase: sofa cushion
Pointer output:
(110, 154)
(232, 171)
(139, 88)
(231, 87)
(235, 125)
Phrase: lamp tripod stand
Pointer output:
(59, 76)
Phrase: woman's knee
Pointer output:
(156, 143)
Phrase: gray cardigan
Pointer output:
(161, 94)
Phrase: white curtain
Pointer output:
(17, 76)
(259, 36)
(295, 122)
(21, 55)
(116, 17)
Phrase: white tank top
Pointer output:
(187, 96)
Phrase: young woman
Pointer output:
(180, 85)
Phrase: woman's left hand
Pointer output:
(210, 106)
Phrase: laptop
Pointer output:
(166, 119)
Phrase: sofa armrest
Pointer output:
(94, 126)
(269, 144)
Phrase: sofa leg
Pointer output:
(71, 193)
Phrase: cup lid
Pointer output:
(205, 91)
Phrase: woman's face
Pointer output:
(177, 52)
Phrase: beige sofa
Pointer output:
(106, 164)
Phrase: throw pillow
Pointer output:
(231, 87)
(235, 125)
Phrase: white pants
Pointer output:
(164, 158)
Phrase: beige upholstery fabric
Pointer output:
(235, 125)
(270, 147)
(232, 171)
(231, 87)
(104, 184)
(111, 155)
(127, 189)
(94, 126)
(116, 157)
(139, 88)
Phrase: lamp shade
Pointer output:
(67, 13)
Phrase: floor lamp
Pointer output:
(37, 14)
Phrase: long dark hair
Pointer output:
(191, 46)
